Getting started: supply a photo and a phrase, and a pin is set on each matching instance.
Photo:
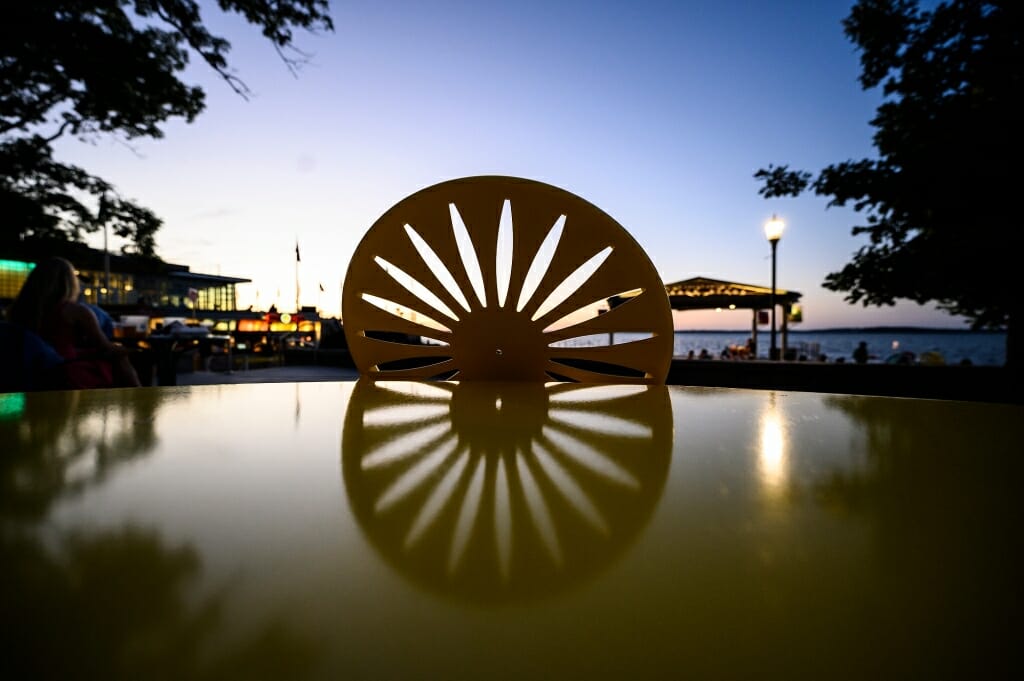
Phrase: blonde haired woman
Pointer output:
(48, 306)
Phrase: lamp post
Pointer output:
(101, 215)
(773, 231)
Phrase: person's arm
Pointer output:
(87, 328)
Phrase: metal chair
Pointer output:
(502, 278)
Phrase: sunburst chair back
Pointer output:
(502, 278)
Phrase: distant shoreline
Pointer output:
(856, 329)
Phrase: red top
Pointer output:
(58, 333)
(84, 367)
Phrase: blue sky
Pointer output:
(658, 113)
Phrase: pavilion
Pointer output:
(702, 293)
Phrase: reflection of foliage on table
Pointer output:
(936, 516)
(497, 492)
(117, 605)
(948, 137)
(907, 440)
(68, 441)
(110, 604)
(89, 68)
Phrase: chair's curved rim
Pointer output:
(457, 262)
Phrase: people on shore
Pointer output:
(860, 354)
(905, 357)
(48, 306)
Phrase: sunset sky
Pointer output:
(658, 113)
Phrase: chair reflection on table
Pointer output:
(503, 492)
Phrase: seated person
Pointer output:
(47, 305)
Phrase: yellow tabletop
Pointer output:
(496, 530)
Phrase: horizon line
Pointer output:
(859, 329)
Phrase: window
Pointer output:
(13, 274)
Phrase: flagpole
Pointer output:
(298, 259)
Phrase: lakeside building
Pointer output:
(123, 281)
(144, 294)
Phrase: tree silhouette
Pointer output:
(84, 68)
(937, 200)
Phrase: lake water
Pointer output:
(980, 347)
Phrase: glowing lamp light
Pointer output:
(773, 229)
(285, 318)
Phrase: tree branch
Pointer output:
(214, 60)
(60, 131)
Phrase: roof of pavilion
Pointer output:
(701, 293)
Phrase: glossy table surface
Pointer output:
(389, 530)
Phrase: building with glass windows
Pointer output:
(127, 284)
(143, 295)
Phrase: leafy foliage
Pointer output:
(939, 201)
(90, 67)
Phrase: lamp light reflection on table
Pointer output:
(773, 456)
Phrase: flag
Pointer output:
(297, 258)
(321, 288)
